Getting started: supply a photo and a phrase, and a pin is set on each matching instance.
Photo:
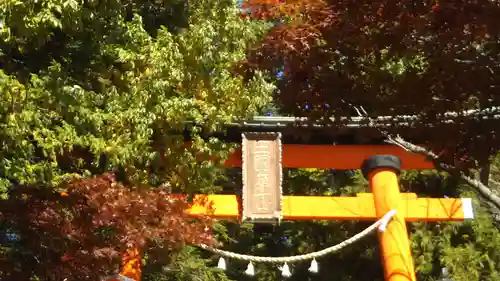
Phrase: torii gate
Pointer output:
(262, 157)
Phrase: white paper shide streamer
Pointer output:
(314, 266)
(250, 269)
(221, 264)
(285, 271)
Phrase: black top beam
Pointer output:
(349, 130)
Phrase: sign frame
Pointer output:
(262, 171)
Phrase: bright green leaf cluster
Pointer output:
(88, 87)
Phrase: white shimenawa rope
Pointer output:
(381, 224)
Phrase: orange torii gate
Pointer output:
(262, 156)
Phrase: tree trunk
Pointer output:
(484, 174)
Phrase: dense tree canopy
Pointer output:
(392, 58)
(92, 84)
(92, 93)
(89, 87)
(83, 234)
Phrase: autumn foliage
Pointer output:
(83, 233)
(391, 57)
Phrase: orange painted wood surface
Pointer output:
(132, 264)
(395, 250)
(131, 267)
(360, 207)
(342, 157)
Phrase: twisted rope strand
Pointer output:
(382, 222)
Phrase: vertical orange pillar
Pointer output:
(132, 264)
(131, 267)
(382, 173)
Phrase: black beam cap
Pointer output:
(381, 161)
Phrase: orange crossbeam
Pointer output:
(342, 157)
(360, 207)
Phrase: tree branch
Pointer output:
(484, 190)
(492, 199)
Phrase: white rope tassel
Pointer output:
(314, 266)
(385, 220)
(221, 264)
(250, 269)
(285, 271)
